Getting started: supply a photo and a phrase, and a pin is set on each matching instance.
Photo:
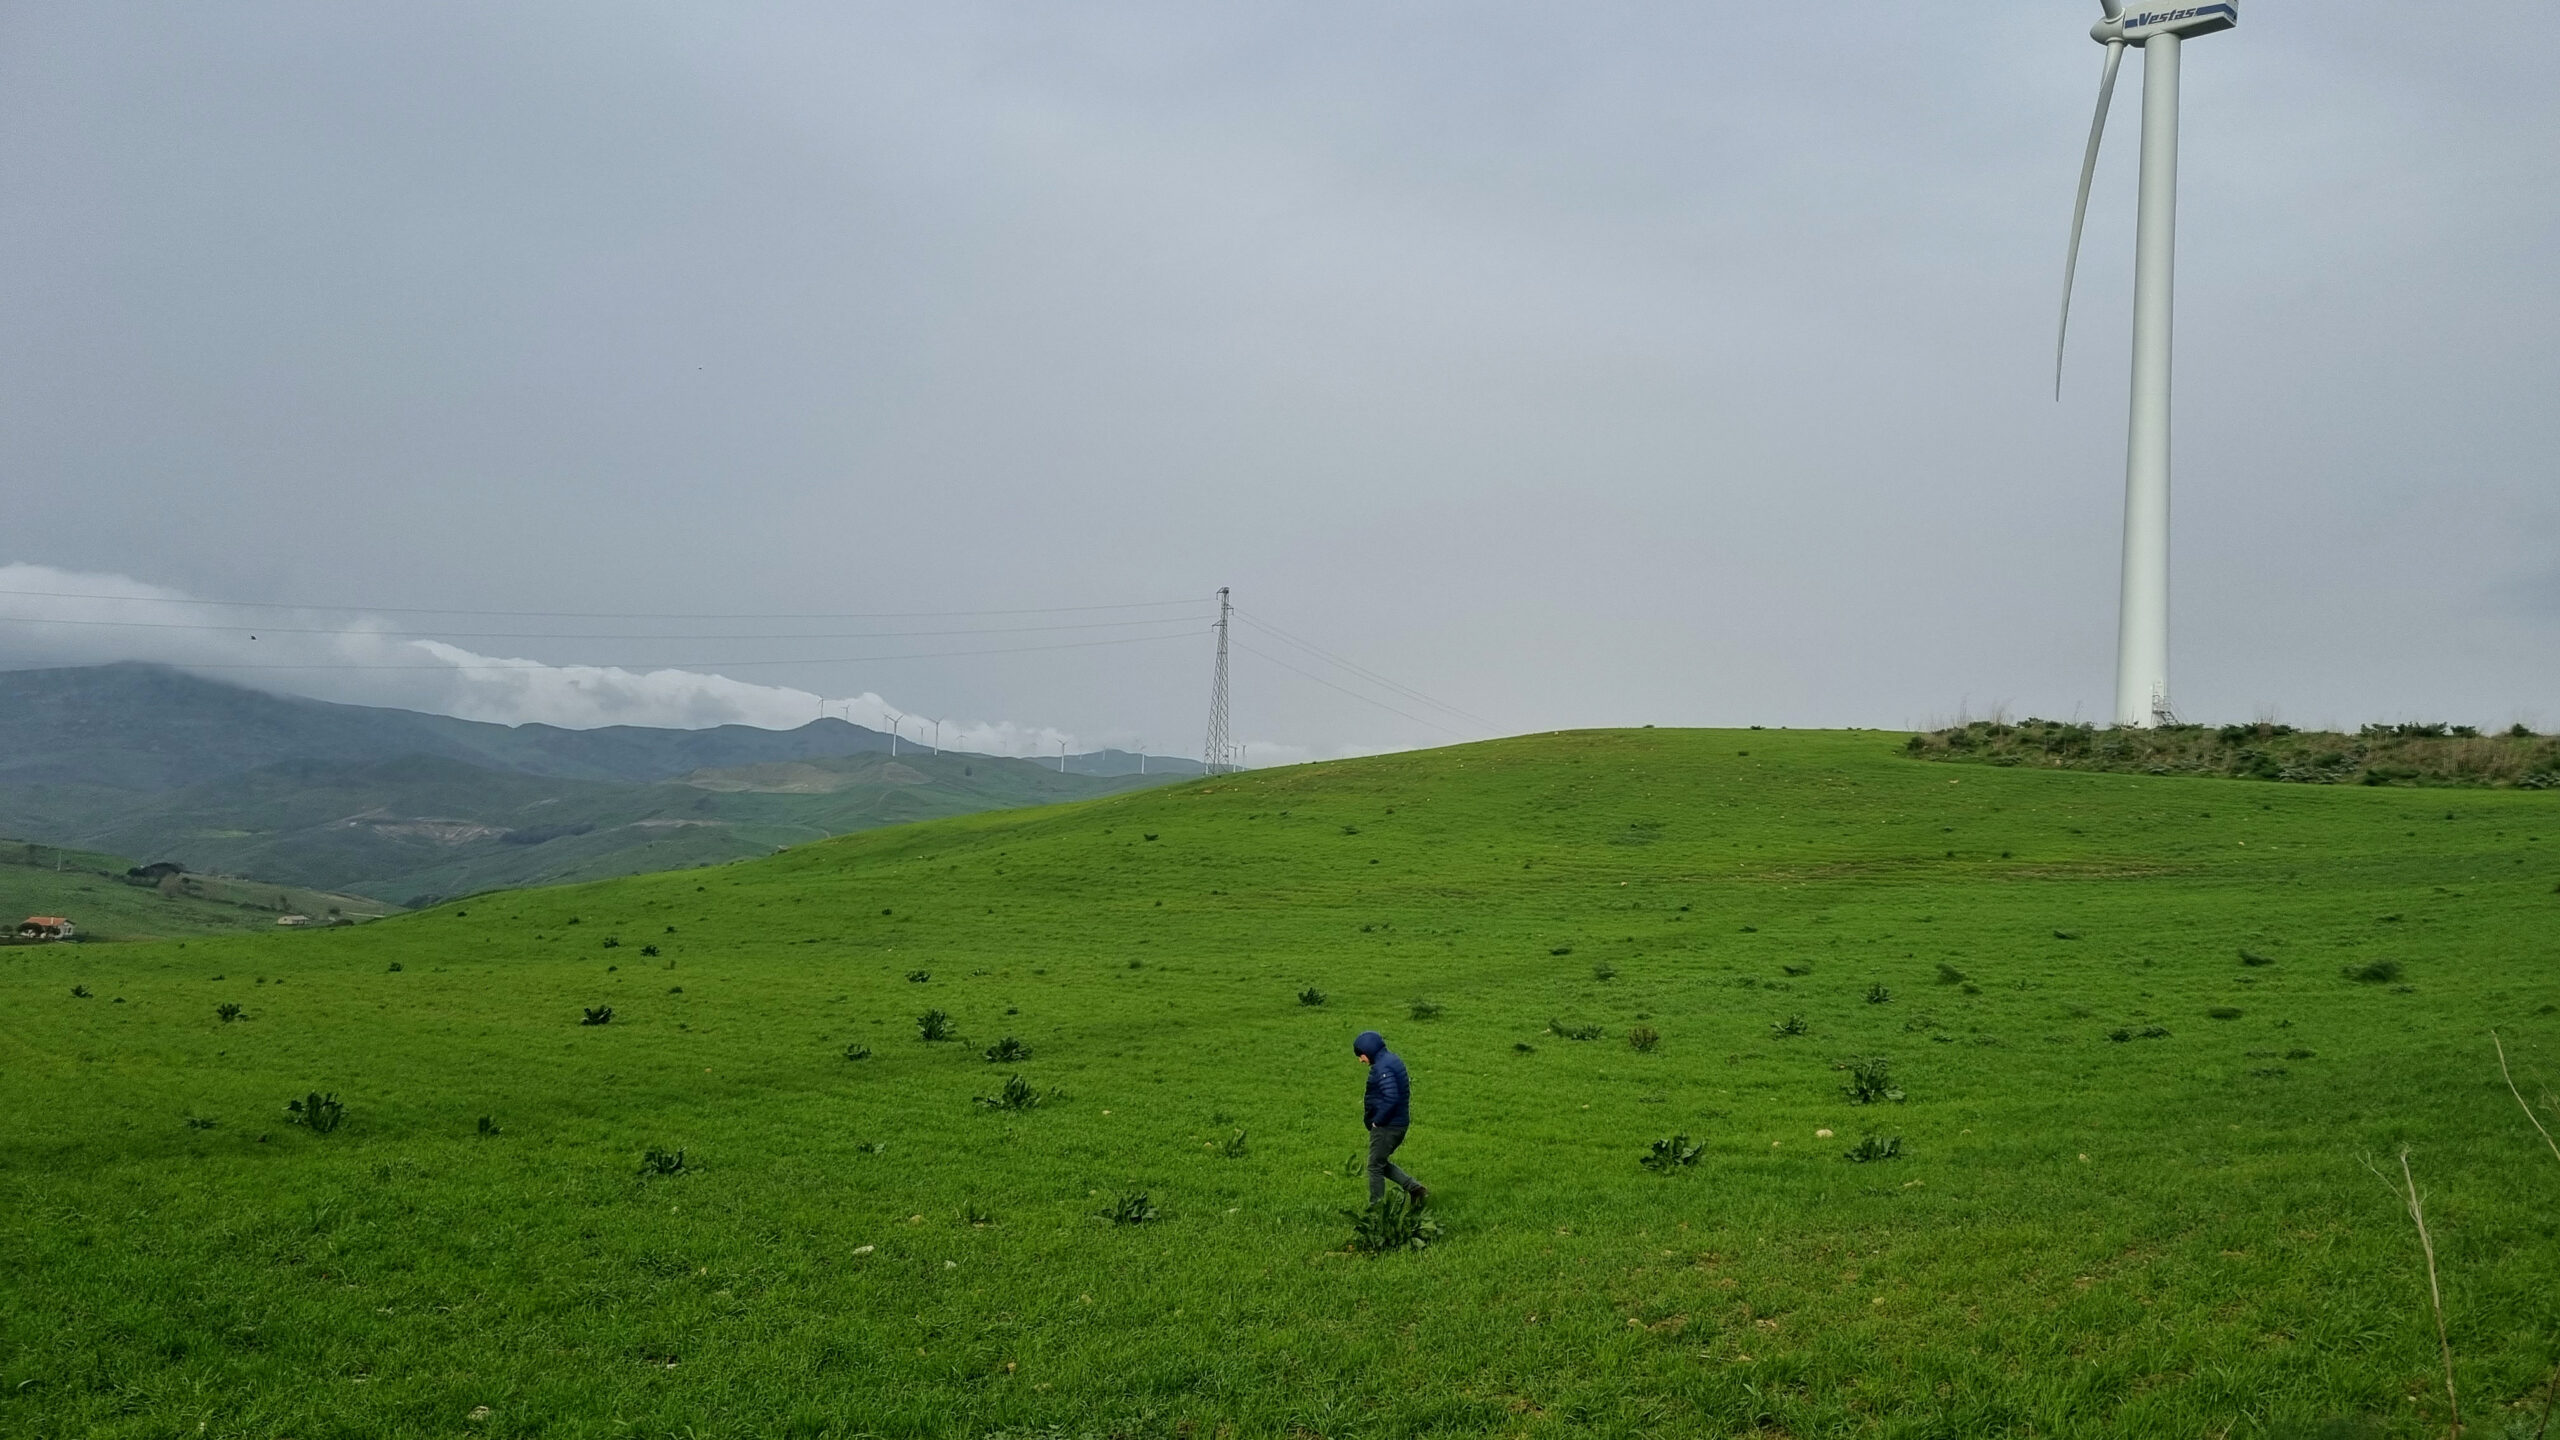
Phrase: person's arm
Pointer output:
(1392, 1087)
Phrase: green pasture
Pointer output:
(2169, 1234)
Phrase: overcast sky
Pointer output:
(1587, 365)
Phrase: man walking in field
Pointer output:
(1387, 1107)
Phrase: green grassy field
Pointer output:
(89, 888)
(2168, 1234)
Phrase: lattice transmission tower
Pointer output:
(1218, 753)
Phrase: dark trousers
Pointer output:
(1383, 1140)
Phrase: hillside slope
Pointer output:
(403, 806)
(2145, 1031)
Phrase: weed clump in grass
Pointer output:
(198, 1122)
(933, 1025)
(1231, 1148)
(1798, 970)
(488, 1126)
(857, 1052)
(2223, 1012)
(1871, 1081)
(2152, 1032)
(81, 992)
(1562, 1031)
(1007, 1051)
(226, 1012)
(1425, 1009)
(1950, 975)
(657, 1160)
(1311, 996)
(1877, 994)
(1789, 1028)
(2252, 957)
(650, 951)
(918, 977)
(316, 1112)
(1603, 971)
(1390, 1223)
(613, 942)
(1675, 1153)
(2120, 1035)
(1017, 1094)
(1644, 1038)
(1523, 1047)
(1870, 1148)
(1130, 1207)
(2372, 972)
(598, 1015)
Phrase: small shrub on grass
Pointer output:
(1007, 1051)
(1560, 950)
(975, 1218)
(1562, 1031)
(918, 977)
(2252, 957)
(197, 1122)
(81, 992)
(1644, 1038)
(1311, 996)
(2152, 1032)
(2372, 972)
(395, 967)
(1602, 970)
(1389, 1223)
(1870, 1148)
(1871, 1081)
(857, 1052)
(656, 1160)
(488, 1126)
(1806, 969)
(2297, 1053)
(1233, 1147)
(933, 1025)
(1675, 1153)
(227, 1012)
(613, 942)
(1950, 975)
(1130, 1207)
(2120, 1035)
(1789, 1028)
(316, 1112)
(649, 950)
(1425, 1010)
(2224, 1012)
(598, 1015)
(1877, 994)
(1017, 1094)
(1523, 1047)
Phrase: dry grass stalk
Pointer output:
(2520, 1100)
(2415, 1203)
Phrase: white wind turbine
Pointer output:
(2142, 624)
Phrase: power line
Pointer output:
(603, 614)
(1354, 694)
(679, 664)
(587, 635)
(1365, 672)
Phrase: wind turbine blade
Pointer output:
(2080, 208)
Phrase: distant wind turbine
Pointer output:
(2142, 619)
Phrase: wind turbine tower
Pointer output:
(1217, 753)
(2142, 617)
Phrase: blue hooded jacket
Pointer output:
(1387, 1104)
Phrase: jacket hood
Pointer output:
(1370, 1043)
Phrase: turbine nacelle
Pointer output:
(2133, 25)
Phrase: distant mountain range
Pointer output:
(403, 806)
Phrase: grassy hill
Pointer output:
(91, 889)
(407, 807)
(2148, 1031)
